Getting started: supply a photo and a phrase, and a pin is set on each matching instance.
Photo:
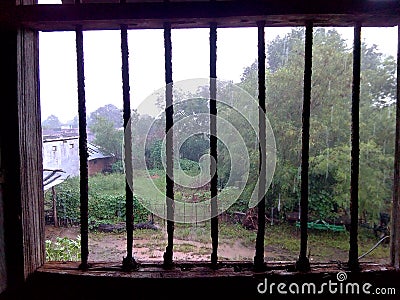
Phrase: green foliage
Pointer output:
(117, 167)
(109, 112)
(241, 205)
(188, 117)
(374, 195)
(109, 209)
(106, 209)
(107, 137)
(106, 201)
(153, 155)
(243, 199)
(110, 184)
(322, 204)
(154, 159)
(194, 147)
(329, 174)
(189, 166)
(330, 128)
(63, 249)
(68, 200)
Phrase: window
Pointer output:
(110, 16)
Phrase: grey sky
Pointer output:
(237, 49)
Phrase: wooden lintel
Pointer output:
(102, 16)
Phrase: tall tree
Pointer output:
(52, 122)
(107, 137)
(110, 112)
(330, 121)
(74, 123)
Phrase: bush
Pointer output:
(190, 166)
(110, 209)
(64, 249)
(68, 201)
(106, 201)
(117, 167)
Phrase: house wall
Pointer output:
(99, 165)
(62, 154)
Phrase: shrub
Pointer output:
(64, 249)
(118, 167)
(106, 201)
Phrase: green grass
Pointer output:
(185, 248)
(111, 184)
(191, 232)
(283, 238)
(155, 235)
(366, 241)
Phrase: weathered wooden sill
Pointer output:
(186, 269)
(190, 280)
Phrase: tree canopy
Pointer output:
(330, 126)
(109, 112)
(107, 137)
(329, 187)
(52, 122)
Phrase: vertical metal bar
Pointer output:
(83, 153)
(54, 198)
(355, 149)
(213, 143)
(395, 230)
(259, 257)
(303, 263)
(169, 123)
(129, 262)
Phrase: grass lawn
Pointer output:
(193, 241)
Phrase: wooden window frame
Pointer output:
(21, 24)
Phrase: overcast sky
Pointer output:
(236, 49)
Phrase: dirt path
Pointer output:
(112, 247)
(149, 245)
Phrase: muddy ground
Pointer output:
(194, 244)
(150, 245)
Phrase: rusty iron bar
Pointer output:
(129, 262)
(213, 143)
(169, 123)
(83, 151)
(353, 263)
(259, 256)
(303, 264)
(395, 228)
